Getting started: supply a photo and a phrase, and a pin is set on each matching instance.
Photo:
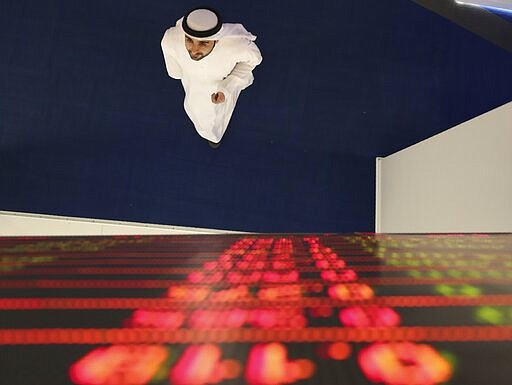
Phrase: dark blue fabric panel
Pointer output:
(92, 126)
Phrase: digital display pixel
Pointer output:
(259, 309)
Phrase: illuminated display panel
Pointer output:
(257, 309)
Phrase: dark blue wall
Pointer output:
(91, 126)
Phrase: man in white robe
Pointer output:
(214, 62)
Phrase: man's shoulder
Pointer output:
(171, 41)
(173, 35)
(235, 43)
(241, 49)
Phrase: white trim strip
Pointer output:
(14, 223)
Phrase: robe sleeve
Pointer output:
(241, 76)
(173, 68)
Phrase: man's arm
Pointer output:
(241, 76)
(173, 68)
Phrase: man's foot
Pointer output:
(213, 144)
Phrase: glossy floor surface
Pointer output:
(257, 309)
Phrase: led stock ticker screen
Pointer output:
(257, 309)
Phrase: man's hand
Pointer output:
(218, 98)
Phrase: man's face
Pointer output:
(198, 49)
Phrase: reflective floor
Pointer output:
(257, 309)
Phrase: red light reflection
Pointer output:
(201, 364)
(250, 277)
(156, 319)
(119, 365)
(268, 365)
(404, 363)
(351, 291)
(198, 365)
(369, 316)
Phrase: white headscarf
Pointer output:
(227, 30)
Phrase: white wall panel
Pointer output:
(457, 181)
